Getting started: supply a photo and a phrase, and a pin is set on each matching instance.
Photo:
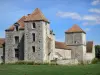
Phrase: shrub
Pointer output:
(95, 60)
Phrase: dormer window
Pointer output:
(33, 25)
(16, 26)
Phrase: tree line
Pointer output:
(97, 51)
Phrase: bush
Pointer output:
(95, 60)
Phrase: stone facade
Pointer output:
(1, 55)
(77, 42)
(62, 54)
(41, 35)
(10, 45)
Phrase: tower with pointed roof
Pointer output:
(37, 32)
(75, 38)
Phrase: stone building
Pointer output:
(30, 39)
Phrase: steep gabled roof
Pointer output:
(89, 46)
(2, 41)
(20, 22)
(75, 29)
(37, 15)
(61, 45)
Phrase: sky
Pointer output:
(62, 14)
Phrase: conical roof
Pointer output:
(37, 15)
(75, 29)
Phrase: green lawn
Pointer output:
(93, 69)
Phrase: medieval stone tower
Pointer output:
(75, 38)
(36, 32)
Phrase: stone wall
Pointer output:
(10, 46)
(1, 55)
(75, 39)
(40, 53)
(68, 62)
(90, 56)
(78, 52)
(77, 42)
(62, 54)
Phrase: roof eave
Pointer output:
(35, 20)
(75, 32)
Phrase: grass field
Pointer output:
(93, 69)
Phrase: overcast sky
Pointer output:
(62, 14)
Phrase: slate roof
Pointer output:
(75, 29)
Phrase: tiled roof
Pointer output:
(61, 45)
(20, 22)
(36, 15)
(2, 40)
(74, 29)
(89, 46)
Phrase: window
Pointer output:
(33, 35)
(16, 39)
(33, 48)
(46, 23)
(75, 42)
(16, 28)
(33, 26)
(16, 53)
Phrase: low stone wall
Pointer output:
(68, 62)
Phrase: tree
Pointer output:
(97, 50)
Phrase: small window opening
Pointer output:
(16, 53)
(16, 39)
(33, 35)
(34, 26)
(33, 47)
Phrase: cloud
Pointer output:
(95, 10)
(72, 15)
(87, 29)
(95, 2)
(89, 19)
